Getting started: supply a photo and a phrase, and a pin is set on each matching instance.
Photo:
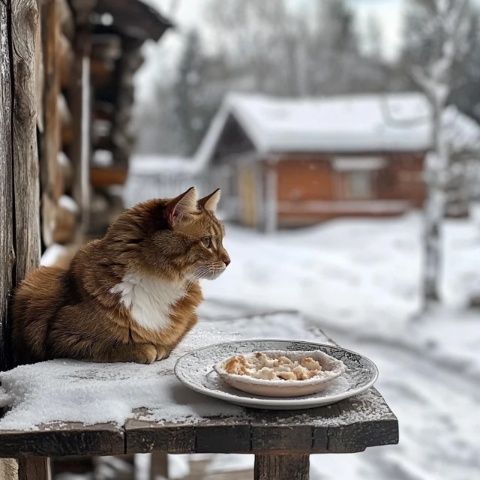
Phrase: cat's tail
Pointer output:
(35, 304)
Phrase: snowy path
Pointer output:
(437, 411)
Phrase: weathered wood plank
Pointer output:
(144, 437)
(62, 440)
(223, 436)
(39, 72)
(7, 255)
(159, 466)
(50, 176)
(80, 101)
(349, 426)
(34, 468)
(355, 424)
(269, 436)
(25, 25)
(281, 467)
(51, 143)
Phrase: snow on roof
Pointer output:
(353, 123)
(158, 164)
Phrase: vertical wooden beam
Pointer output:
(24, 28)
(34, 468)
(50, 175)
(271, 195)
(80, 97)
(7, 254)
(158, 465)
(281, 467)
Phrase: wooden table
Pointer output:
(280, 441)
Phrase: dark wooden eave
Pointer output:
(134, 18)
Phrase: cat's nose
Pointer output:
(226, 260)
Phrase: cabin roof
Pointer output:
(134, 18)
(354, 123)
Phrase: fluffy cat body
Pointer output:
(130, 296)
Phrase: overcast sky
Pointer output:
(186, 14)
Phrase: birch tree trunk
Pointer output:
(448, 21)
(437, 164)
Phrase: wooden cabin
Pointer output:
(296, 162)
(66, 93)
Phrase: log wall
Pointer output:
(36, 208)
(61, 66)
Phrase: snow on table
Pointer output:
(91, 393)
(78, 408)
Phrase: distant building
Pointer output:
(295, 162)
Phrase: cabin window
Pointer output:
(356, 176)
(358, 184)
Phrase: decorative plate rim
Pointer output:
(273, 402)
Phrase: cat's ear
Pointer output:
(210, 202)
(181, 206)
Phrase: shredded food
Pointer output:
(260, 365)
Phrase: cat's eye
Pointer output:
(207, 242)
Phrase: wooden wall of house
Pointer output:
(309, 189)
(40, 153)
(403, 179)
(61, 151)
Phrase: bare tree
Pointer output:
(438, 43)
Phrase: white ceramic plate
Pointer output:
(195, 370)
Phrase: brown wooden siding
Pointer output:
(308, 178)
(311, 190)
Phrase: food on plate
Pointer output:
(265, 367)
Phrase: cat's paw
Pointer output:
(162, 352)
(146, 354)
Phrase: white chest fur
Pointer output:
(149, 299)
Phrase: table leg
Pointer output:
(282, 467)
(159, 466)
(34, 468)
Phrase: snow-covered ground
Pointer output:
(359, 280)
(361, 277)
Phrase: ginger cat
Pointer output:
(130, 296)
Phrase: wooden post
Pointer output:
(34, 468)
(7, 253)
(25, 25)
(158, 466)
(81, 110)
(282, 467)
(50, 175)
(21, 198)
(271, 196)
